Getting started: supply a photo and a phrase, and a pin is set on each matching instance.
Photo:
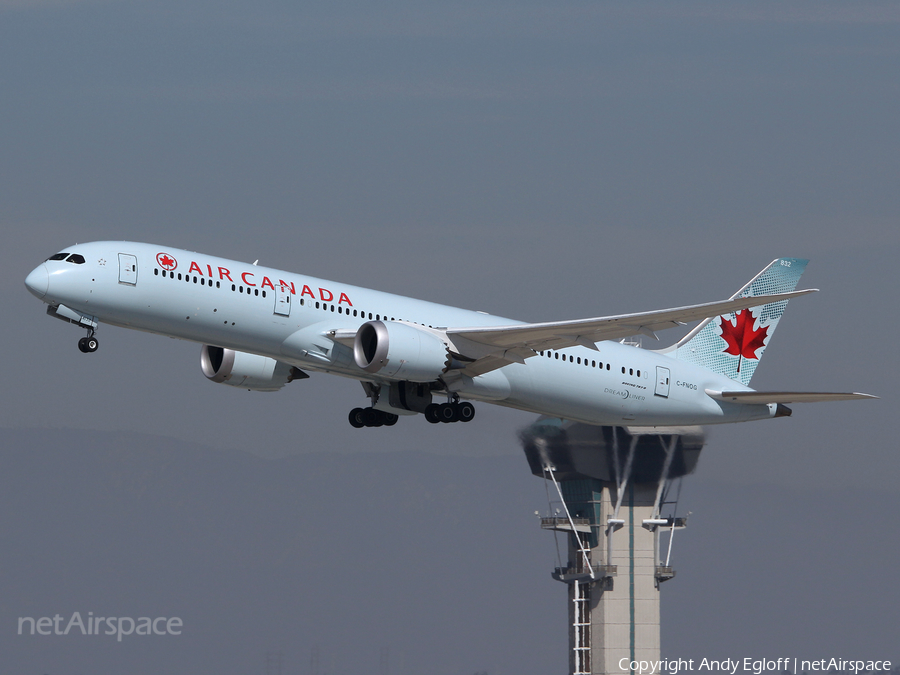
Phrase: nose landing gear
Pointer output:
(88, 344)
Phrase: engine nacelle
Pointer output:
(401, 352)
(248, 371)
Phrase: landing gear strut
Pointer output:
(450, 412)
(370, 417)
(88, 344)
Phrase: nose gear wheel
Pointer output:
(88, 344)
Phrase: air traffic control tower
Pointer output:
(611, 494)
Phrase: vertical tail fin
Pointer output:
(733, 344)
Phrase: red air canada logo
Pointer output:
(251, 279)
(743, 341)
(166, 261)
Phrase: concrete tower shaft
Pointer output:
(611, 484)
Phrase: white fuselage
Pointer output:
(288, 317)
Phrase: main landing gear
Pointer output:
(450, 412)
(88, 344)
(369, 417)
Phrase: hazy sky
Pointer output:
(535, 160)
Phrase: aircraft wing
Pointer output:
(783, 396)
(492, 347)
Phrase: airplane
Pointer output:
(261, 328)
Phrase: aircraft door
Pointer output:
(127, 269)
(282, 300)
(662, 382)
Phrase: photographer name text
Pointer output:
(752, 665)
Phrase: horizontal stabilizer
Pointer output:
(757, 397)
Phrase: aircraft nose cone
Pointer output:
(38, 281)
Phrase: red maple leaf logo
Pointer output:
(740, 337)
(166, 261)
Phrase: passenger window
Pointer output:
(195, 280)
(631, 371)
(593, 364)
(179, 276)
(556, 355)
(579, 360)
(623, 370)
(607, 366)
(218, 285)
(233, 287)
(638, 373)
(264, 295)
(155, 272)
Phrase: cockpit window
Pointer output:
(76, 258)
(59, 256)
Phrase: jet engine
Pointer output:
(248, 371)
(400, 352)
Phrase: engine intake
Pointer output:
(400, 352)
(248, 371)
